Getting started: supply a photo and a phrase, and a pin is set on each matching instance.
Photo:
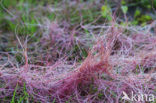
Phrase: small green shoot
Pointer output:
(13, 98)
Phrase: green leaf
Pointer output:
(137, 13)
(135, 22)
(106, 12)
(124, 9)
(123, 2)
